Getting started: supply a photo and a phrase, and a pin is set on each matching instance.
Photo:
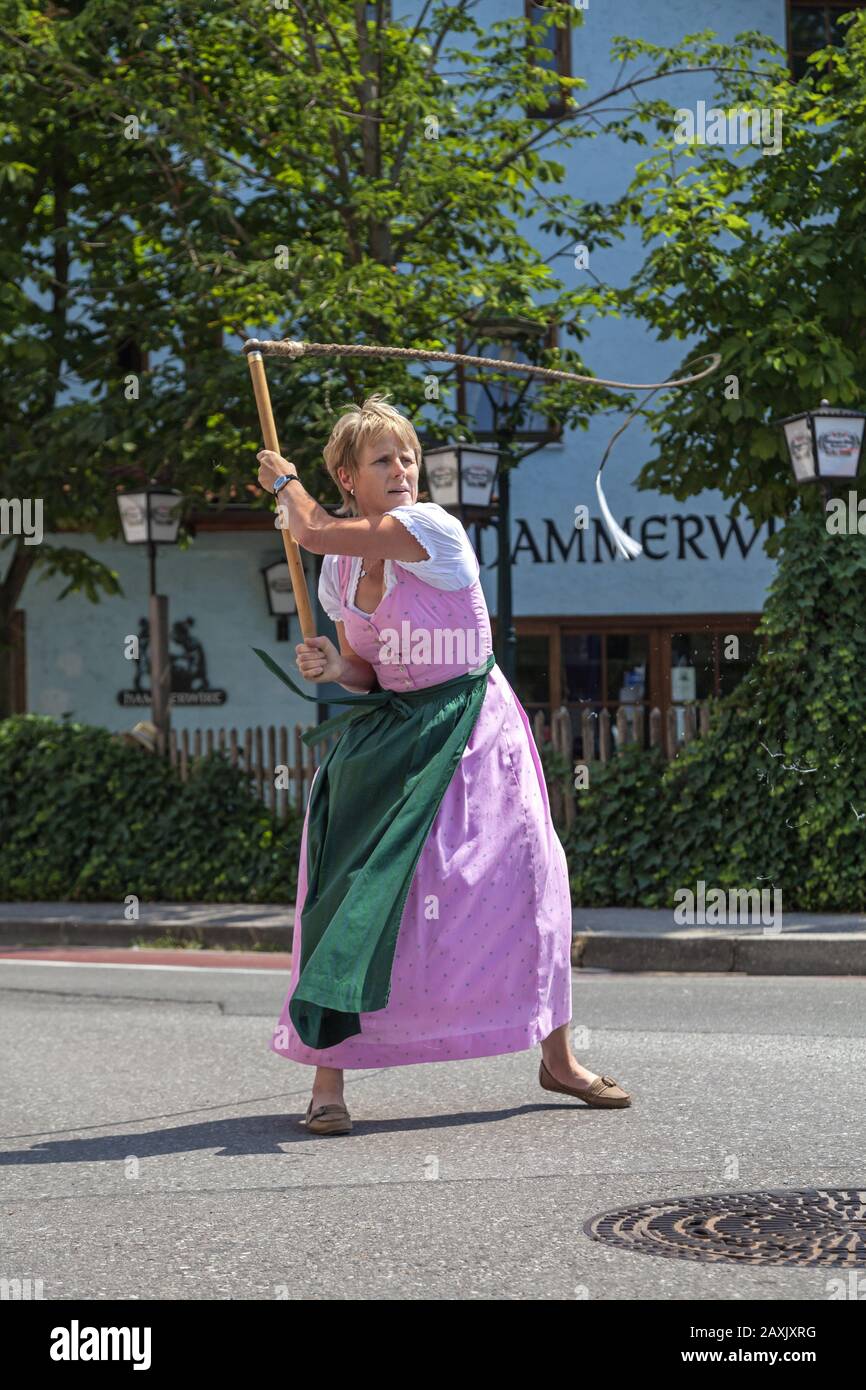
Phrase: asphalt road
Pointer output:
(152, 1147)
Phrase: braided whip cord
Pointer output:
(626, 545)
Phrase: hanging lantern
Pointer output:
(825, 445)
(461, 476)
(150, 516)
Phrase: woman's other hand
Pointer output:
(319, 660)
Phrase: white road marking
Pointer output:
(120, 965)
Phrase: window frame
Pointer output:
(839, 6)
(553, 432)
(562, 55)
(659, 630)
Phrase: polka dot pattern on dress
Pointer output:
(491, 972)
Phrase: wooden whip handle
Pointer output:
(293, 554)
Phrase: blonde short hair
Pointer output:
(363, 424)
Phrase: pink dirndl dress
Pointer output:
(488, 969)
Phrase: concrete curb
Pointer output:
(77, 931)
(795, 953)
(748, 955)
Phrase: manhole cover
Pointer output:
(815, 1226)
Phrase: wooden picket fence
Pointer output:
(601, 735)
(262, 753)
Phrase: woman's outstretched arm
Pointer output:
(317, 531)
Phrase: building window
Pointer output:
(603, 670)
(640, 662)
(480, 401)
(556, 42)
(532, 682)
(812, 27)
(705, 664)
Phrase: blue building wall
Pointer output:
(551, 483)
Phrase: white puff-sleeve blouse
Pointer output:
(451, 562)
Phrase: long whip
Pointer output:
(257, 349)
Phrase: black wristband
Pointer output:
(289, 478)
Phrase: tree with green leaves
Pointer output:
(762, 258)
(178, 177)
(759, 256)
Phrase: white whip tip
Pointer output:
(632, 548)
(626, 545)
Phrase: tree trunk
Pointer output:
(370, 91)
(10, 592)
(24, 556)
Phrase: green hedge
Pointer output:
(771, 796)
(88, 818)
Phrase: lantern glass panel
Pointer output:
(840, 440)
(133, 516)
(164, 517)
(441, 469)
(799, 437)
(478, 472)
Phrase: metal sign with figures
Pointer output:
(189, 678)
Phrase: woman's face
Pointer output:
(386, 477)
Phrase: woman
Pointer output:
(437, 925)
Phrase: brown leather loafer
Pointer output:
(328, 1119)
(604, 1092)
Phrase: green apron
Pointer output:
(371, 807)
